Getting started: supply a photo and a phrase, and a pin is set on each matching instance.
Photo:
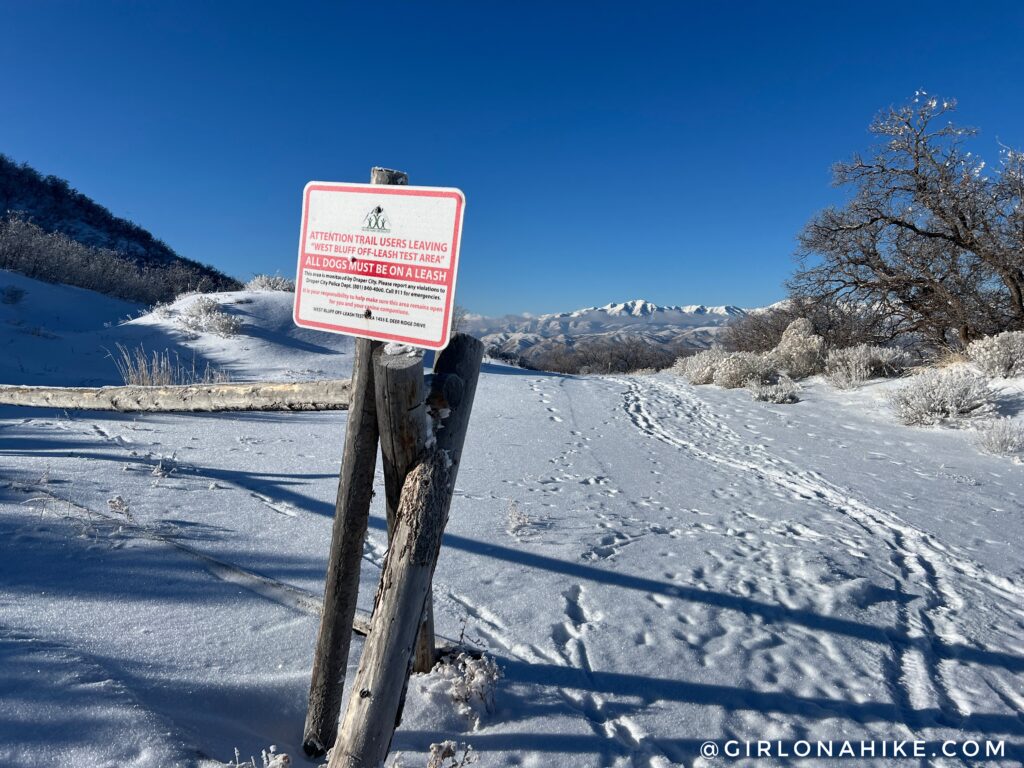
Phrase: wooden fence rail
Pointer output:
(330, 395)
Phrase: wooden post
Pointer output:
(351, 515)
(401, 420)
(452, 387)
(372, 712)
(379, 687)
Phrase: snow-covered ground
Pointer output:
(651, 565)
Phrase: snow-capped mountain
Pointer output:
(693, 326)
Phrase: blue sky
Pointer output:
(607, 151)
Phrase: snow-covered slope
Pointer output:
(684, 326)
(651, 565)
(56, 334)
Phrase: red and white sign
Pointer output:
(379, 261)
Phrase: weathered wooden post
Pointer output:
(456, 372)
(402, 420)
(422, 513)
(351, 515)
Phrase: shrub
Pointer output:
(56, 258)
(204, 315)
(840, 325)
(518, 522)
(159, 370)
(700, 368)
(602, 356)
(784, 391)
(448, 754)
(739, 368)
(1000, 437)
(801, 352)
(270, 283)
(936, 396)
(11, 294)
(851, 367)
(163, 310)
(999, 355)
(471, 684)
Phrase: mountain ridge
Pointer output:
(678, 327)
(52, 205)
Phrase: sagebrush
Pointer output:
(781, 392)
(204, 315)
(739, 368)
(270, 283)
(851, 367)
(800, 352)
(54, 257)
(999, 355)
(934, 397)
(1000, 437)
(700, 368)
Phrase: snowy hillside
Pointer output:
(651, 565)
(56, 334)
(686, 326)
(53, 205)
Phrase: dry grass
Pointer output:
(159, 369)
(950, 357)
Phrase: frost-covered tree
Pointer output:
(930, 236)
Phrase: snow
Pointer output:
(649, 564)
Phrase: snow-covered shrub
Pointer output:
(447, 755)
(518, 521)
(936, 396)
(801, 352)
(1001, 437)
(11, 294)
(271, 758)
(999, 355)
(739, 368)
(120, 507)
(851, 367)
(53, 257)
(700, 368)
(164, 310)
(471, 683)
(204, 315)
(270, 283)
(784, 391)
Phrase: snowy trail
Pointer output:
(652, 565)
(932, 583)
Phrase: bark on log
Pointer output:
(452, 391)
(402, 421)
(369, 723)
(191, 398)
(351, 516)
(402, 417)
(378, 692)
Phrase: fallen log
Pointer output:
(326, 395)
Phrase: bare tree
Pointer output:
(840, 324)
(459, 314)
(930, 239)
